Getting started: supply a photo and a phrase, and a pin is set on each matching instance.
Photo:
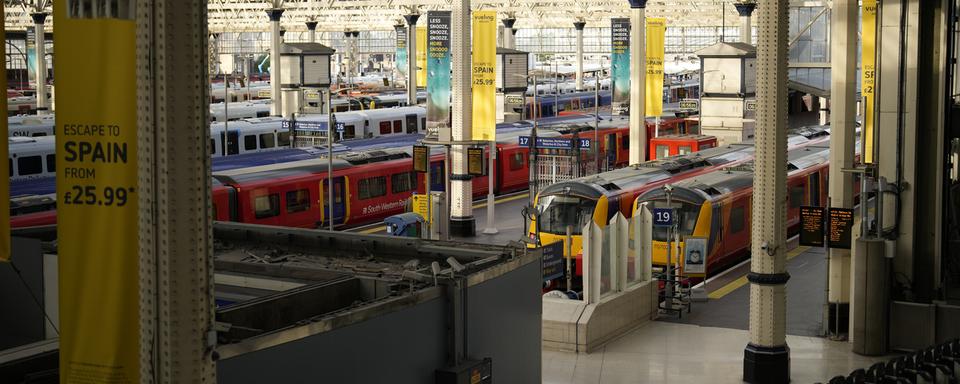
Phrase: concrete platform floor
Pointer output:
(662, 352)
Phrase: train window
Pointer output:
(233, 143)
(298, 201)
(268, 140)
(397, 126)
(736, 219)
(706, 146)
(10, 166)
(263, 113)
(266, 206)
(423, 123)
(249, 142)
(516, 161)
(402, 182)
(51, 163)
(625, 142)
(213, 147)
(796, 196)
(663, 151)
(283, 139)
(684, 149)
(350, 132)
(385, 127)
(372, 187)
(29, 165)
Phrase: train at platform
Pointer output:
(568, 206)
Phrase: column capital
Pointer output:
(508, 23)
(579, 25)
(637, 3)
(274, 14)
(312, 25)
(412, 18)
(745, 9)
(39, 17)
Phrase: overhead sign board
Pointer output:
(689, 105)
(555, 143)
(662, 217)
(310, 126)
(840, 228)
(750, 105)
(811, 226)
(552, 261)
(514, 99)
(421, 158)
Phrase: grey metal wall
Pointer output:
(23, 321)
(408, 345)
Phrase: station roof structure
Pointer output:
(340, 15)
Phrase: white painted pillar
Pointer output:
(312, 31)
(745, 9)
(177, 332)
(274, 15)
(767, 356)
(411, 58)
(462, 222)
(579, 26)
(509, 34)
(41, 61)
(843, 114)
(638, 79)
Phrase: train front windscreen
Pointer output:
(686, 215)
(560, 211)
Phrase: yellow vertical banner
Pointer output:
(484, 75)
(422, 57)
(4, 176)
(868, 73)
(96, 162)
(656, 28)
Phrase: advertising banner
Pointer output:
(869, 72)
(421, 56)
(484, 75)
(97, 210)
(401, 59)
(656, 29)
(438, 75)
(620, 65)
(695, 256)
(31, 45)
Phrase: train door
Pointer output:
(814, 182)
(411, 123)
(736, 235)
(232, 142)
(611, 146)
(339, 201)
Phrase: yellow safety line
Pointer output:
(733, 285)
(380, 228)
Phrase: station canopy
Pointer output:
(365, 15)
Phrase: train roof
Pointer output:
(21, 144)
(275, 171)
(244, 160)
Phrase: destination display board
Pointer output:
(552, 261)
(840, 228)
(689, 105)
(475, 161)
(421, 158)
(811, 226)
(555, 143)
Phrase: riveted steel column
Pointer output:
(638, 80)
(767, 357)
(509, 34)
(312, 31)
(41, 61)
(177, 336)
(579, 26)
(274, 15)
(843, 114)
(462, 222)
(745, 9)
(412, 58)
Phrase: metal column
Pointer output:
(274, 15)
(638, 80)
(177, 334)
(41, 63)
(745, 9)
(767, 356)
(579, 26)
(312, 31)
(462, 222)
(412, 58)
(843, 114)
(508, 33)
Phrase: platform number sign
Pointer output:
(662, 217)
(524, 141)
(584, 143)
(340, 126)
